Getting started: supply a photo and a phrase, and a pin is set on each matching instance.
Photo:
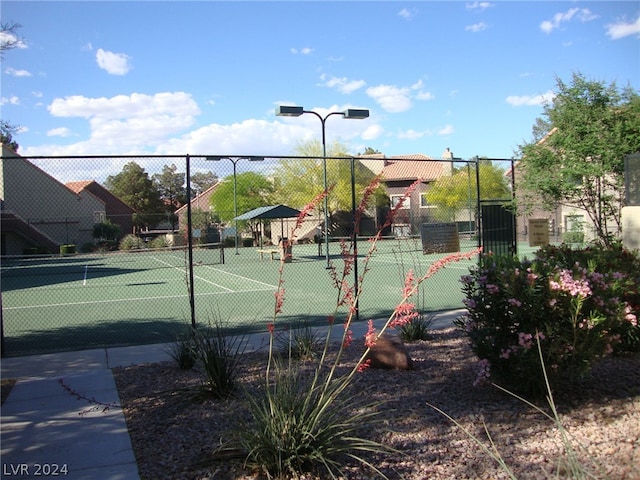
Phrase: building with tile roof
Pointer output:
(38, 212)
(116, 211)
(401, 171)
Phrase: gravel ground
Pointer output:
(173, 432)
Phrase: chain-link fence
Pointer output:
(122, 250)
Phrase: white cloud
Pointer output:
(302, 51)
(372, 132)
(530, 100)
(480, 6)
(59, 132)
(125, 106)
(476, 27)
(391, 98)
(425, 96)
(12, 100)
(582, 14)
(398, 99)
(343, 85)
(446, 130)
(113, 63)
(406, 13)
(127, 123)
(412, 134)
(9, 38)
(17, 73)
(622, 28)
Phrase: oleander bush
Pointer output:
(580, 304)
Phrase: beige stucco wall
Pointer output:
(45, 203)
(631, 227)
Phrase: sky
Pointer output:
(205, 77)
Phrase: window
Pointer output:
(395, 199)
(99, 217)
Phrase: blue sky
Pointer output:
(204, 77)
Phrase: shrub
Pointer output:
(67, 249)
(301, 343)
(416, 329)
(131, 242)
(218, 355)
(158, 242)
(106, 230)
(575, 304)
(183, 351)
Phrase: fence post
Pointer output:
(3, 353)
(354, 237)
(190, 244)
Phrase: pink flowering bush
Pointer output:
(580, 306)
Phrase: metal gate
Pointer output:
(497, 226)
(497, 229)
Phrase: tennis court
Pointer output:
(94, 300)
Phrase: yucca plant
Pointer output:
(183, 350)
(218, 356)
(417, 328)
(302, 342)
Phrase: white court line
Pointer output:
(182, 270)
(240, 276)
(247, 279)
(135, 299)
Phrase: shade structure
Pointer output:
(270, 212)
(273, 211)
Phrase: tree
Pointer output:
(451, 194)
(252, 191)
(172, 190)
(106, 230)
(590, 127)
(134, 187)
(297, 193)
(9, 38)
(8, 41)
(202, 180)
(370, 151)
(7, 131)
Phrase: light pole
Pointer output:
(351, 113)
(235, 161)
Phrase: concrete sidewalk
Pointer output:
(46, 429)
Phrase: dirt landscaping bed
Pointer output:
(174, 432)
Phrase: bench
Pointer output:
(270, 251)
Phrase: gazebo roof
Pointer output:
(273, 211)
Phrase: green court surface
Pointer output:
(95, 300)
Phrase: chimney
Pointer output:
(447, 168)
(447, 154)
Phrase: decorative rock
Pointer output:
(389, 353)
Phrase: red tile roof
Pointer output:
(77, 187)
(412, 167)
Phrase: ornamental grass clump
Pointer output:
(218, 355)
(577, 306)
(311, 418)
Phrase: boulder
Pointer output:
(389, 353)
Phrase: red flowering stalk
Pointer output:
(405, 311)
(347, 295)
(280, 291)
